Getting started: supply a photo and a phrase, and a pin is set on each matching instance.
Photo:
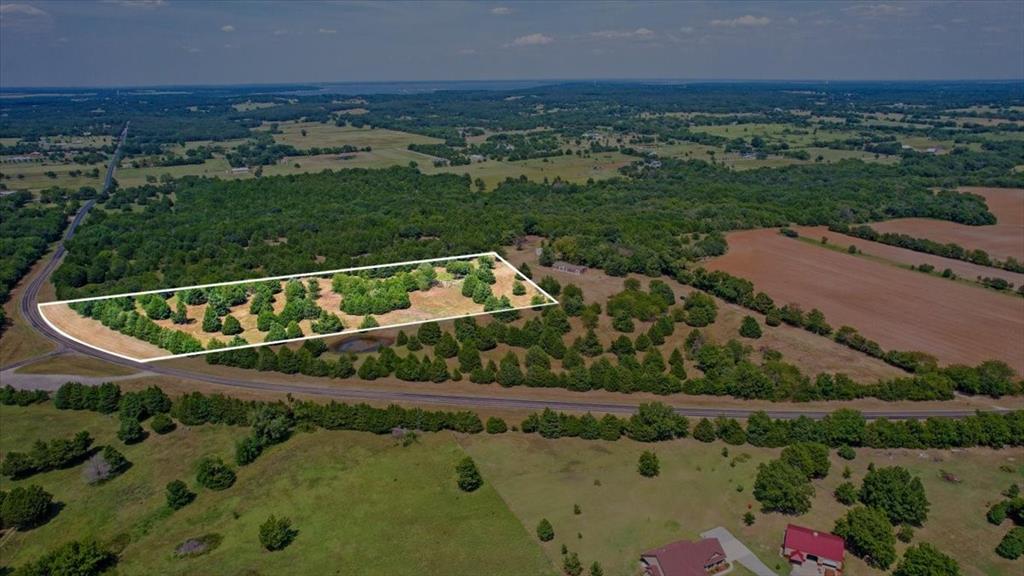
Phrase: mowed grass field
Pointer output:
(363, 504)
(623, 514)
(32, 175)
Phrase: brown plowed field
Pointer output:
(900, 309)
(909, 257)
(1002, 240)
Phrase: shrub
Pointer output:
(846, 493)
(925, 560)
(178, 495)
(1012, 545)
(214, 474)
(648, 466)
(750, 328)
(277, 533)
(704, 431)
(24, 508)
(496, 426)
(846, 453)
(71, 559)
(905, 534)
(469, 477)
(162, 424)
(131, 431)
(545, 532)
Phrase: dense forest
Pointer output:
(215, 231)
(25, 232)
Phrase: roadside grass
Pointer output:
(623, 514)
(363, 504)
(74, 364)
(19, 340)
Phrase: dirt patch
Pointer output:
(1002, 240)
(96, 334)
(900, 309)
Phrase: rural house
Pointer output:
(570, 268)
(685, 558)
(813, 553)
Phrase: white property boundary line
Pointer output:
(551, 302)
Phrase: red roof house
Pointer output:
(809, 548)
(685, 558)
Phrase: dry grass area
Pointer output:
(900, 309)
(443, 300)
(94, 333)
(1002, 240)
(907, 257)
(18, 340)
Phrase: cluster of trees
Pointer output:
(197, 408)
(841, 428)
(25, 507)
(86, 558)
(362, 295)
(1012, 508)
(948, 250)
(45, 456)
(119, 314)
(9, 396)
(270, 425)
(26, 229)
(652, 422)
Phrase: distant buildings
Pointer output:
(685, 558)
(813, 553)
(240, 170)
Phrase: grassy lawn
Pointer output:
(75, 364)
(624, 514)
(362, 504)
(322, 135)
(32, 175)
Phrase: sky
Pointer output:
(175, 42)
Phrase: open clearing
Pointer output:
(623, 514)
(1002, 240)
(907, 257)
(442, 300)
(363, 504)
(900, 309)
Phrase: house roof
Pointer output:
(684, 558)
(820, 544)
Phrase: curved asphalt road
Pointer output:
(30, 311)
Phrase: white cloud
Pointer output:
(745, 20)
(686, 29)
(326, 31)
(501, 10)
(639, 33)
(227, 28)
(875, 10)
(536, 39)
(23, 16)
(137, 3)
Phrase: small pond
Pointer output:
(361, 344)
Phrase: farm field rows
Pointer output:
(900, 309)
(904, 256)
(1001, 240)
